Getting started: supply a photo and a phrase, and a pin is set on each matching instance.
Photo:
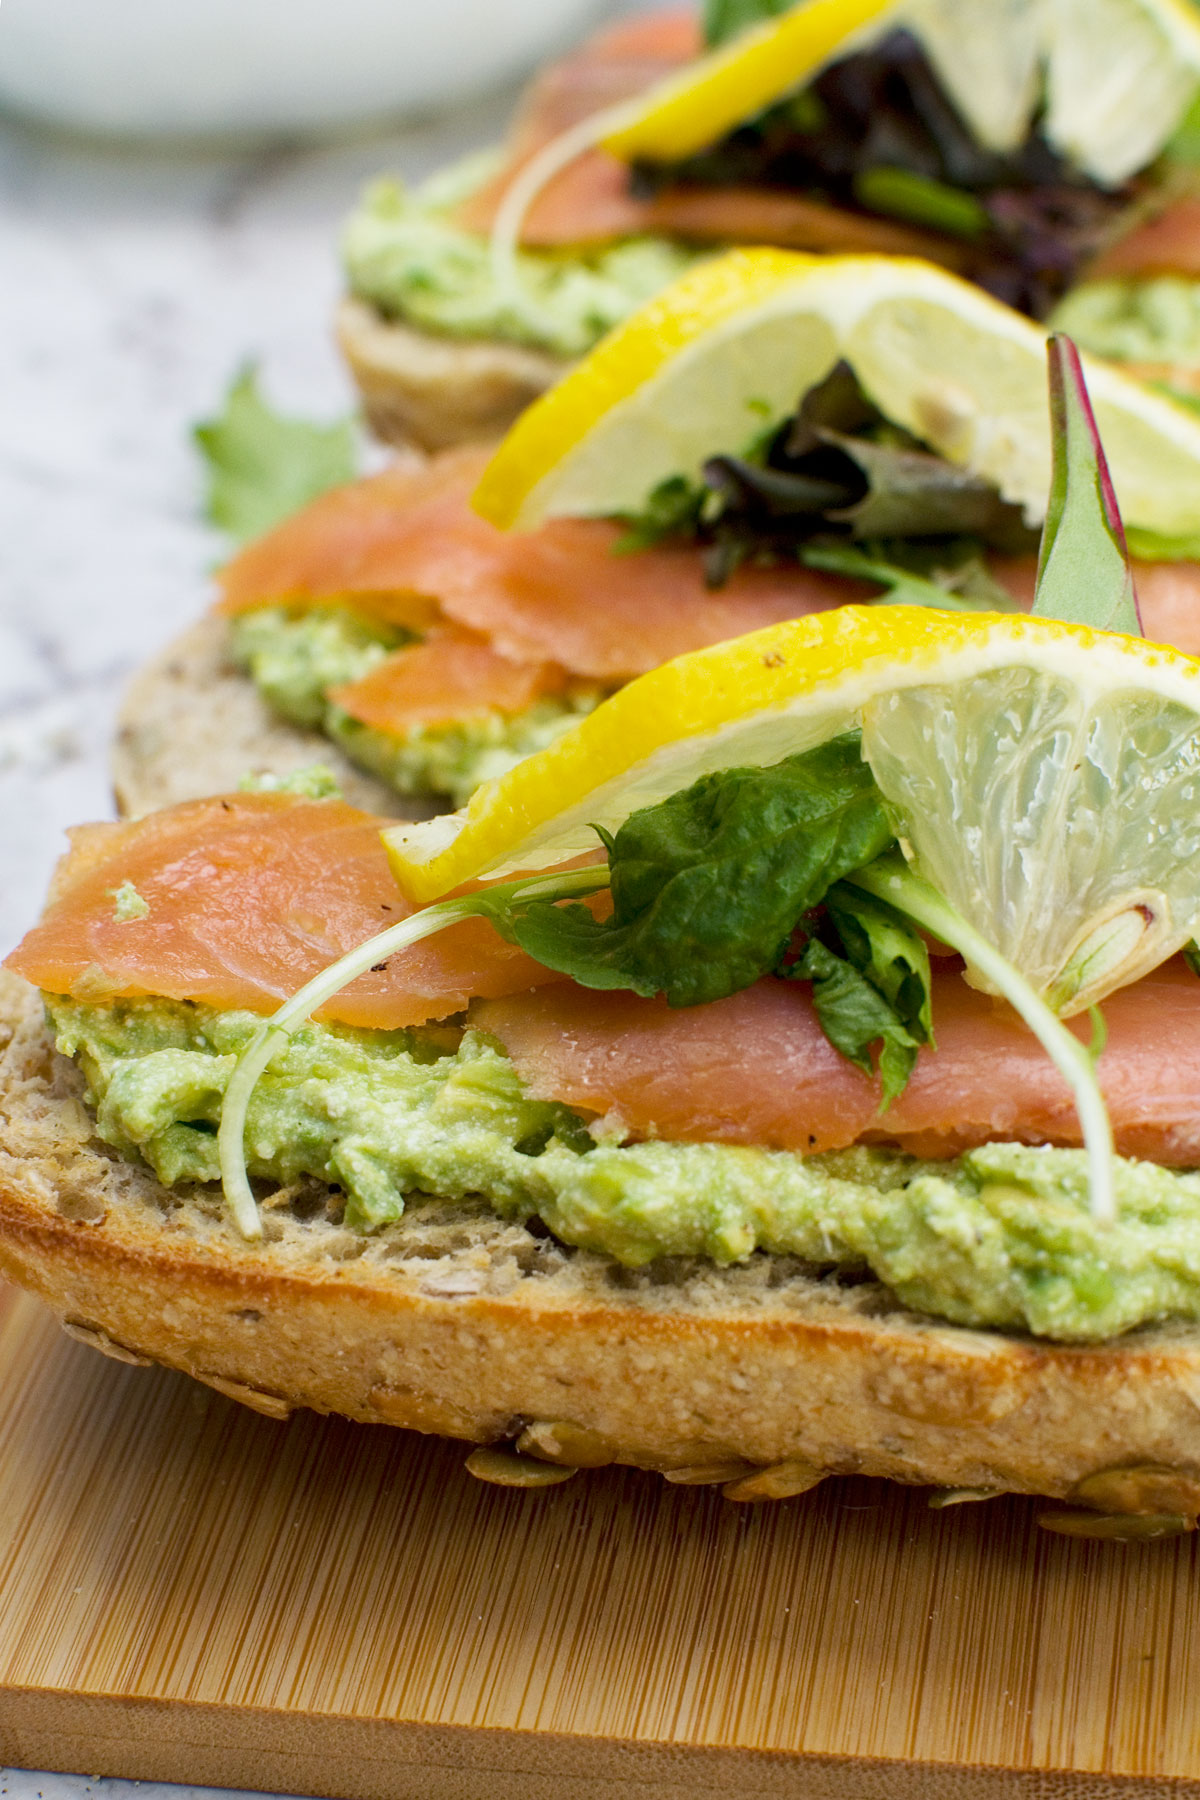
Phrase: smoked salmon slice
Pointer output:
(389, 543)
(1166, 245)
(449, 676)
(407, 547)
(401, 547)
(757, 1069)
(249, 897)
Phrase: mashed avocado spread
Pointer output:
(1000, 1237)
(1152, 321)
(296, 659)
(403, 253)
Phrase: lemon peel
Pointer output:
(728, 350)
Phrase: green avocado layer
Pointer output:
(1152, 321)
(1000, 1237)
(297, 658)
(402, 252)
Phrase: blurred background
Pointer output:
(146, 259)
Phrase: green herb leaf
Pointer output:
(726, 18)
(708, 885)
(884, 947)
(1153, 546)
(1083, 573)
(903, 194)
(1191, 956)
(854, 1015)
(261, 467)
(1184, 146)
(672, 509)
(901, 586)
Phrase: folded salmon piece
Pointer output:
(249, 896)
(757, 1069)
(447, 676)
(1168, 244)
(407, 547)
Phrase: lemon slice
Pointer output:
(684, 112)
(730, 348)
(1044, 777)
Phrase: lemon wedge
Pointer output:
(731, 347)
(684, 112)
(1044, 777)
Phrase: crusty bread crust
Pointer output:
(455, 1322)
(438, 391)
(192, 724)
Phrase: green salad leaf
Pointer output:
(724, 19)
(888, 950)
(1083, 572)
(973, 591)
(708, 885)
(833, 474)
(876, 991)
(263, 467)
(854, 1015)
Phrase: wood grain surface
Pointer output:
(193, 1592)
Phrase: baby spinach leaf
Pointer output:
(261, 467)
(1083, 572)
(708, 885)
(854, 1015)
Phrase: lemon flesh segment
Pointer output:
(687, 111)
(729, 350)
(1045, 804)
(1043, 776)
(988, 55)
(1120, 75)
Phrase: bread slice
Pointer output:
(455, 1322)
(438, 391)
(192, 724)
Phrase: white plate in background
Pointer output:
(265, 67)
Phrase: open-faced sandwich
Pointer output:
(775, 434)
(1032, 145)
(827, 1100)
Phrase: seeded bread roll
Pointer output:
(436, 391)
(765, 1376)
(193, 724)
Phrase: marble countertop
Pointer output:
(136, 282)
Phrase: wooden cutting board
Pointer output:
(192, 1592)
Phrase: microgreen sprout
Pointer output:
(890, 878)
